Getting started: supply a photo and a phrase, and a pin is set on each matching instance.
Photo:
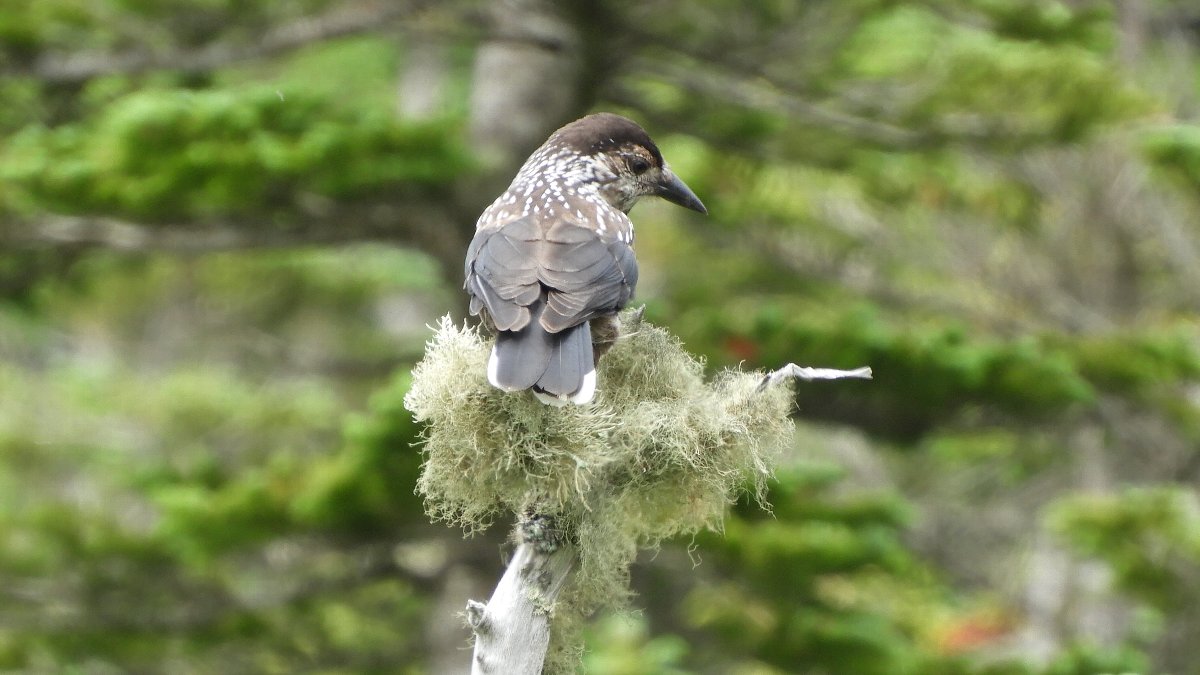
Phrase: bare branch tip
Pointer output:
(808, 374)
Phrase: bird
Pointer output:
(551, 262)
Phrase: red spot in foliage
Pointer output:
(741, 348)
(972, 632)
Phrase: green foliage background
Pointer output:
(206, 465)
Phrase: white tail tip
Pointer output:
(587, 392)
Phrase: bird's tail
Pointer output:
(558, 367)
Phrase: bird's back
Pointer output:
(553, 253)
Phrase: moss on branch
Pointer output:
(661, 452)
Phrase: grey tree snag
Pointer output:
(512, 631)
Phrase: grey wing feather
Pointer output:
(592, 279)
(501, 273)
(505, 315)
(581, 274)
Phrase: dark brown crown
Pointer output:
(602, 132)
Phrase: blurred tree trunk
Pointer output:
(524, 82)
(1131, 20)
(421, 93)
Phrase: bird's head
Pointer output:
(618, 157)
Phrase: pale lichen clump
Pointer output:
(660, 452)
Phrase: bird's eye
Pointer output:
(639, 164)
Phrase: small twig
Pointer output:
(808, 374)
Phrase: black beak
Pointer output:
(676, 191)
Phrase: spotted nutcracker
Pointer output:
(551, 262)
